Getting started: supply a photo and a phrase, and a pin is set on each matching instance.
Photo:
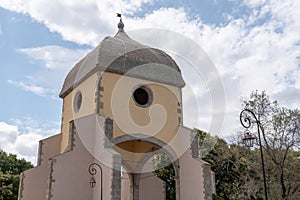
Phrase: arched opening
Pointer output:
(149, 167)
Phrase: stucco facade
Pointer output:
(121, 108)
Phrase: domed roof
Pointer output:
(122, 55)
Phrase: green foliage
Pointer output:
(238, 170)
(10, 164)
(165, 171)
(206, 142)
(9, 186)
(280, 132)
(227, 166)
(10, 168)
(216, 197)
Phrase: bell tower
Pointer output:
(122, 107)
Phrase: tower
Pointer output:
(122, 107)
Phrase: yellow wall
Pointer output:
(88, 106)
(160, 119)
(137, 146)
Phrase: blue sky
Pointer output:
(254, 44)
(19, 32)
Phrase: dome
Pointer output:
(122, 55)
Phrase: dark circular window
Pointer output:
(77, 101)
(142, 96)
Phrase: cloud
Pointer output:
(54, 57)
(55, 62)
(249, 54)
(289, 96)
(84, 22)
(8, 134)
(255, 51)
(22, 136)
(38, 90)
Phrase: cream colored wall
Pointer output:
(88, 106)
(126, 187)
(34, 184)
(70, 171)
(160, 119)
(191, 177)
(151, 187)
(49, 148)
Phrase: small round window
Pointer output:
(77, 101)
(142, 96)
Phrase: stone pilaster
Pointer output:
(21, 186)
(207, 177)
(195, 146)
(108, 133)
(72, 131)
(50, 179)
(116, 178)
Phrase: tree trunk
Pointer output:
(283, 189)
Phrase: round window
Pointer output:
(142, 96)
(77, 101)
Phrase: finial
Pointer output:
(120, 24)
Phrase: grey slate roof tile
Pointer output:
(122, 55)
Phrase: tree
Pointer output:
(165, 171)
(237, 169)
(9, 186)
(10, 169)
(233, 173)
(280, 128)
(206, 142)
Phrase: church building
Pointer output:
(122, 110)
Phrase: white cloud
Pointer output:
(84, 22)
(55, 62)
(22, 136)
(26, 146)
(8, 134)
(54, 57)
(248, 55)
(259, 51)
(290, 96)
(30, 87)
(254, 3)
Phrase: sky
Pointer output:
(253, 45)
